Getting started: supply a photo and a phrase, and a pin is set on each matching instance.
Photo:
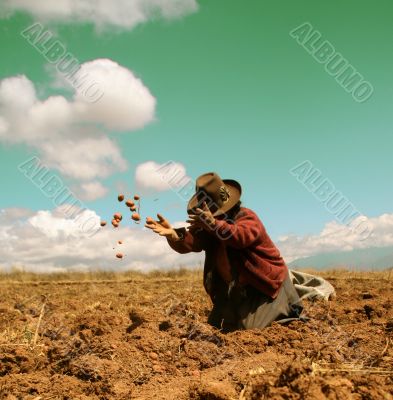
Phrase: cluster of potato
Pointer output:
(134, 206)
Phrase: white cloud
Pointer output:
(11, 215)
(160, 177)
(90, 191)
(55, 227)
(336, 237)
(126, 104)
(125, 14)
(3, 126)
(47, 241)
(17, 93)
(70, 135)
(180, 224)
(83, 158)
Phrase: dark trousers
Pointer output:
(248, 308)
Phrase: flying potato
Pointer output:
(117, 216)
(136, 217)
(130, 203)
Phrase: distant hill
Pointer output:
(375, 258)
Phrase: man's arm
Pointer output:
(187, 242)
(245, 230)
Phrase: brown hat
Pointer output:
(219, 194)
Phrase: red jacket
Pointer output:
(244, 245)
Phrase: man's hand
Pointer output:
(162, 227)
(202, 219)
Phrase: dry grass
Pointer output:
(18, 275)
(326, 368)
(386, 274)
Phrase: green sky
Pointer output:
(238, 95)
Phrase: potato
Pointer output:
(136, 217)
(136, 197)
(117, 216)
(130, 203)
(119, 255)
(120, 197)
(103, 223)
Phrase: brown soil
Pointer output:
(147, 338)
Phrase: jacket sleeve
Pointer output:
(242, 233)
(187, 243)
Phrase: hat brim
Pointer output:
(235, 191)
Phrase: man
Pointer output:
(244, 274)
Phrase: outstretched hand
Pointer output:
(203, 218)
(162, 227)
